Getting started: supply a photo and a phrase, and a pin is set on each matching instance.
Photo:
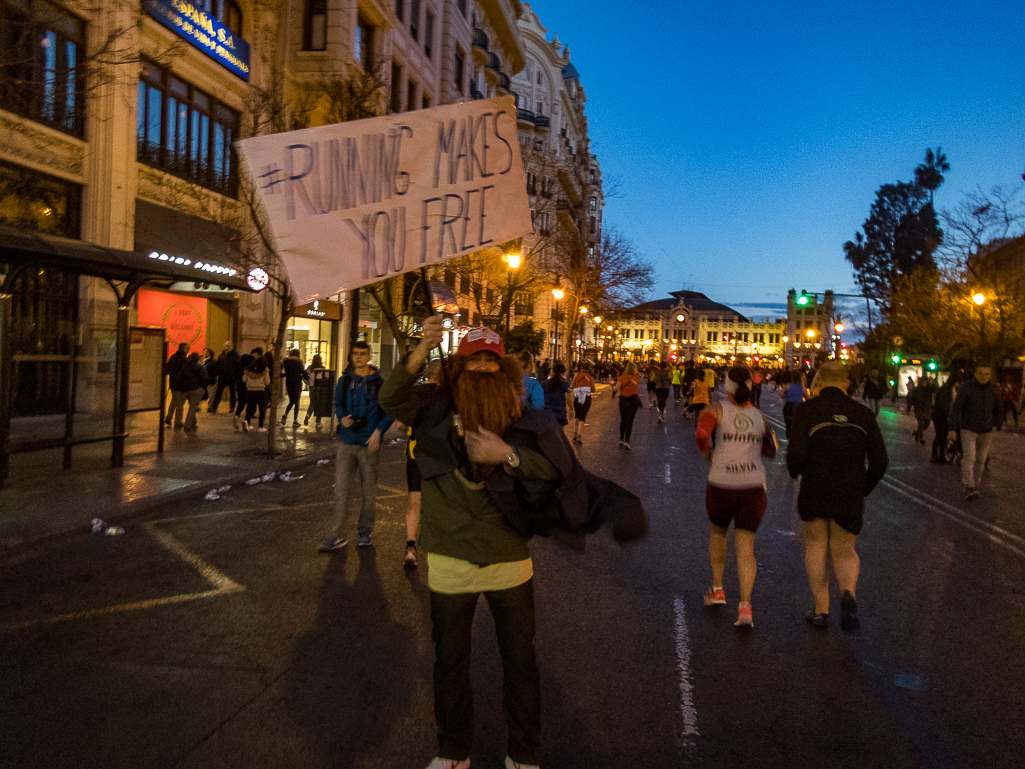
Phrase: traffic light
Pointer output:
(895, 358)
(931, 365)
(726, 337)
(802, 299)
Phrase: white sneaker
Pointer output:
(262, 430)
(245, 426)
(448, 763)
(510, 764)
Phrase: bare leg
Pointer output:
(846, 562)
(412, 516)
(816, 541)
(717, 553)
(747, 566)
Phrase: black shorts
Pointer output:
(412, 474)
(849, 520)
(580, 409)
(745, 507)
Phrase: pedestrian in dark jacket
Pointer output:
(831, 438)
(193, 380)
(293, 373)
(242, 389)
(179, 395)
(875, 389)
(227, 362)
(977, 412)
(921, 403)
(941, 406)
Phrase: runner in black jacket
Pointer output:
(831, 438)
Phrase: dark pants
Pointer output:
(756, 395)
(1010, 406)
(627, 411)
(243, 397)
(221, 384)
(256, 399)
(661, 397)
(294, 392)
(939, 443)
(452, 618)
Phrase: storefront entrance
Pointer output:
(313, 330)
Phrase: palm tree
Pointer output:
(929, 175)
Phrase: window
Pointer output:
(184, 131)
(414, 19)
(540, 109)
(33, 201)
(39, 71)
(461, 5)
(315, 25)
(230, 14)
(396, 87)
(524, 305)
(400, 10)
(594, 204)
(428, 33)
(594, 225)
(450, 278)
(426, 101)
(411, 96)
(651, 334)
(710, 336)
(460, 59)
(363, 50)
(464, 284)
(531, 183)
(489, 295)
(593, 177)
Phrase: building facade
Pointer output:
(117, 126)
(810, 329)
(692, 327)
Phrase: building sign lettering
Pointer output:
(204, 32)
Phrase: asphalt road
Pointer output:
(215, 635)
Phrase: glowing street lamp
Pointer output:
(979, 299)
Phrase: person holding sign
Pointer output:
(472, 546)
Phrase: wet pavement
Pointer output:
(42, 500)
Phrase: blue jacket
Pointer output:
(357, 395)
(533, 395)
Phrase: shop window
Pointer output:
(315, 25)
(40, 63)
(33, 201)
(185, 132)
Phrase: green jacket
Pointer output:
(458, 518)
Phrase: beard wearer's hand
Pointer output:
(486, 448)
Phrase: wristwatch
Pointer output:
(513, 459)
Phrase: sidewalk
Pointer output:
(43, 500)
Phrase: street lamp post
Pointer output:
(512, 261)
(558, 293)
(980, 299)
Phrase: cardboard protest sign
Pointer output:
(352, 203)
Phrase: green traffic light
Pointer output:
(895, 358)
(802, 299)
(932, 365)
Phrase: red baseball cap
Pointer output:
(481, 339)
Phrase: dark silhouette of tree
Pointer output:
(929, 175)
(900, 234)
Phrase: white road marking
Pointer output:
(687, 709)
(993, 533)
(221, 583)
(669, 475)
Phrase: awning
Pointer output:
(18, 247)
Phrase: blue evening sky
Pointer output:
(750, 137)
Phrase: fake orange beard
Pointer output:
(489, 400)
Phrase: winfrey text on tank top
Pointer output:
(737, 459)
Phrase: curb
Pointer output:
(139, 507)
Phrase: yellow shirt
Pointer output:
(454, 576)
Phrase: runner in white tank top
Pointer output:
(736, 484)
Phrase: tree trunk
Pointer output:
(287, 307)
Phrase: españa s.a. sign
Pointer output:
(190, 21)
(353, 203)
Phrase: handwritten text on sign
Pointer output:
(353, 203)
